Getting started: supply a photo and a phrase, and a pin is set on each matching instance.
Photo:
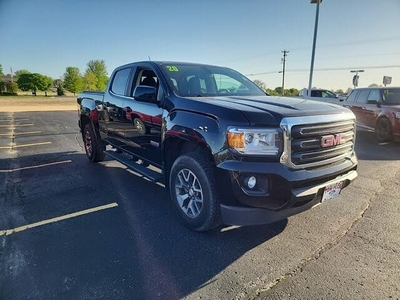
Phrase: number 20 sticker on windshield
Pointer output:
(172, 69)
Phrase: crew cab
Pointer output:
(377, 109)
(226, 152)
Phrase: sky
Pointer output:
(46, 36)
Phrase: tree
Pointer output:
(20, 72)
(12, 88)
(34, 82)
(339, 91)
(260, 84)
(90, 81)
(291, 92)
(272, 92)
(99, 70)
(45, 83)
(1, 70)
(278, 90)
(58, 84)
(25, 82)
(373, 85)
(73, 80)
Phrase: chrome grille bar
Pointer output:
(303, 140)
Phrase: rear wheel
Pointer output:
(93, 146)
(142, 129)
(383, 131)
(194, 193)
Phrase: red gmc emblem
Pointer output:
(332, 140)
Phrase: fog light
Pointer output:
(251, 182)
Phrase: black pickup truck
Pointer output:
(226, 151)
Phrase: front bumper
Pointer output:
(282, 192)
(239, 215)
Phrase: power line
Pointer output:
(332, 44)
(326, 69)
(352, 56)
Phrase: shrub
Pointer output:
(60, 91)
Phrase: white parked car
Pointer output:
(322, 95)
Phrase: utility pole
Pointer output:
(285, 52)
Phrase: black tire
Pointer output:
(142, 129)
(201, 202)
(93, 146)
(383, 131)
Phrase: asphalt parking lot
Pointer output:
(71, 229)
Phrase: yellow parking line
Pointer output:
(24, 145)
(52, 220)
(19, 133)
(21, 125)
(37, 166)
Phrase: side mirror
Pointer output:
(145, 93)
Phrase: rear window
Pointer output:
(391, 96)
(120, 81)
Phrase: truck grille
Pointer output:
(321, 143)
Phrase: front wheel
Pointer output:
(194, 192)
(383, 131)
(93, 146)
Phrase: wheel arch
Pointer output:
(175, 147)
(381, 117)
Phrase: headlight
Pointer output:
(255, 141)
(398, 115)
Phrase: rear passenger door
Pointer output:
(360, 108)
(372, 107)
(112, 114)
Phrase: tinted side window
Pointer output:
(352, 96)
(328, 94)
(316, 94)
(120, 81)
(362, 96)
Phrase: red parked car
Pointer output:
(377, 109)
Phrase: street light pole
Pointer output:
(314, 43)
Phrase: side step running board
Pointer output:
(146, 172)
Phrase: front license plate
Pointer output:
(331, 191)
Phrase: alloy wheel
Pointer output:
(189, 193)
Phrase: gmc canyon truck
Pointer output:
(225, 151)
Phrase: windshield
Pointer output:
(192, 80)
(391, 96)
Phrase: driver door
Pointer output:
(144, 134)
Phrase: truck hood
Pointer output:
(267, 110)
